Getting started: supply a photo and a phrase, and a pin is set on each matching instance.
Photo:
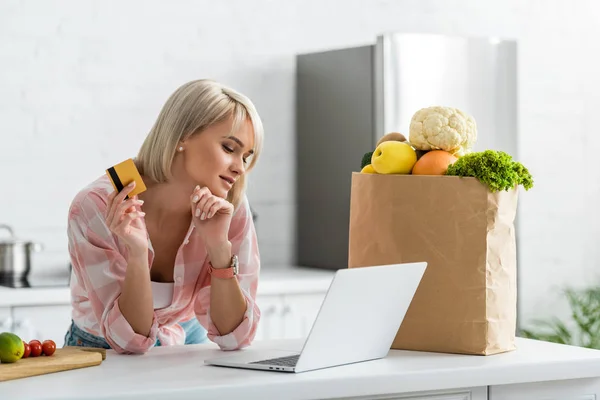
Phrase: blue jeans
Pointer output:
(194, 334)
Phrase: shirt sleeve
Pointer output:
(99, 265)
(242, 235)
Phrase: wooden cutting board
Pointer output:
(63, 359)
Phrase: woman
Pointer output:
(160, 268)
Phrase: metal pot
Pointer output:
(15, 256)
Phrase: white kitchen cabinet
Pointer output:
(270, 325)
(5, 320)
(478, 393)
(289, 299)
(299, 313)
(42, 322)
(282, 317)
(287, 316)
(573, 389)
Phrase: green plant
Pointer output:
(366, 159)
(496, 169)
(583, 330)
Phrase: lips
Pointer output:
(227, 179)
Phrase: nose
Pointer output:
(237, 166)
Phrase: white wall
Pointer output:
(81, 82)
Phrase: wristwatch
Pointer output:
(225, 273)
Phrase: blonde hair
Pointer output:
(192, 108)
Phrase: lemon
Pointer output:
(368, 169)
(393, 157)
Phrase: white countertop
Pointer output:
(273, 280)
(179, 372)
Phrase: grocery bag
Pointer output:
(466, 302)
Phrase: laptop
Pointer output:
(358, 321)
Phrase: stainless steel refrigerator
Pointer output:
(349, 98)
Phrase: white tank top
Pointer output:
(162, 294)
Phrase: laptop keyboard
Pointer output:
(287, 361)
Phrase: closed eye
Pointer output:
(230, 150)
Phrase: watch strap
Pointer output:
(224, 273)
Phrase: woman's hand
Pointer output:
(124, 220)
(212, 216)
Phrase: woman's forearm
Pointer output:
(136, 296)
(227, 303)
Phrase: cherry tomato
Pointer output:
(36, 348)
(48, 347)
(27, 350)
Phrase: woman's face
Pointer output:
(216, 159)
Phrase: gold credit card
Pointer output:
(123, 174)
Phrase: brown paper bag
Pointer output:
(466, 301)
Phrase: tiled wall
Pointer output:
(81, 82)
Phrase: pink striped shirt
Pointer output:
(99, 262)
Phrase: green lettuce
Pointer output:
(496, 169)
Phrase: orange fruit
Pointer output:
(434, 162)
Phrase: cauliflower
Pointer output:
(443, 128)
